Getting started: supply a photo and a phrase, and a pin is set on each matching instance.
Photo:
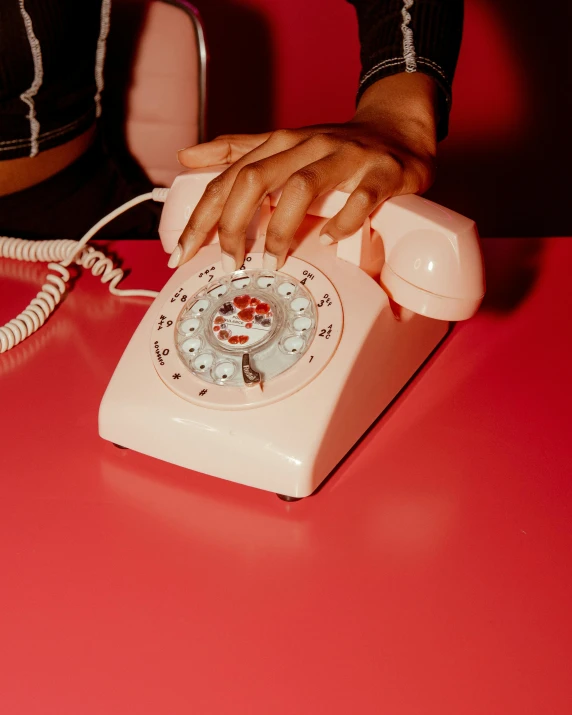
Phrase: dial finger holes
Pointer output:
(224, 371)
(300, 325)
(299, 305)
(191, 346)
(218, 291)
(199, 307)
(294, 344)
(189, 326)
(286, 289)
(271, 316)
(240, 283)
(266, 281)
(203, 362)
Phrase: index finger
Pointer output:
(222, 150)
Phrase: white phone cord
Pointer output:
(66, 251)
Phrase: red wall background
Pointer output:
(281, 63)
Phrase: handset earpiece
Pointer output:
(433, 262)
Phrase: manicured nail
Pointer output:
(175, 257)
(326, 239)
(269, 262)
(228, 262)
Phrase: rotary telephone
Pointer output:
(269, 378)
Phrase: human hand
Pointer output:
(388, 148)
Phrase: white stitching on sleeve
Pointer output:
(398, 61)
(28, 96)
(433, 65)
(100, 53)
(408, 44)
(381, 65)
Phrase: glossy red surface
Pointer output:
(430, 574)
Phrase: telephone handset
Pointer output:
(269, 378)
(432, 265)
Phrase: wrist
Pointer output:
(405, 101)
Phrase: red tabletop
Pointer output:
(430, 575)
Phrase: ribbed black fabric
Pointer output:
(436, 28)
(67, 32)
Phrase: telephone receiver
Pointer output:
(430, 257)
(268, 378)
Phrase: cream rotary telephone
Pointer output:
(269, 378)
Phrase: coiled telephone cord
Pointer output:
(65, 252)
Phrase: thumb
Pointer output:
(222, 150)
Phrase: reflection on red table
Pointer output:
(431, 574)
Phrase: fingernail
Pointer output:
(175, 257)
(228, 262)
(326, 239)
(270, 262)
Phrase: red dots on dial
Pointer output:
(246, 315)
(242, 301)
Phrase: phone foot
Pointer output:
(287, 498)
(119, 446)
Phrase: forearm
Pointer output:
(411, 36)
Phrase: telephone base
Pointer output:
(290, 441)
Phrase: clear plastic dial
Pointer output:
(248, 339)
(268, 317)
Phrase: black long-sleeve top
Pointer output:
(52, 53)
